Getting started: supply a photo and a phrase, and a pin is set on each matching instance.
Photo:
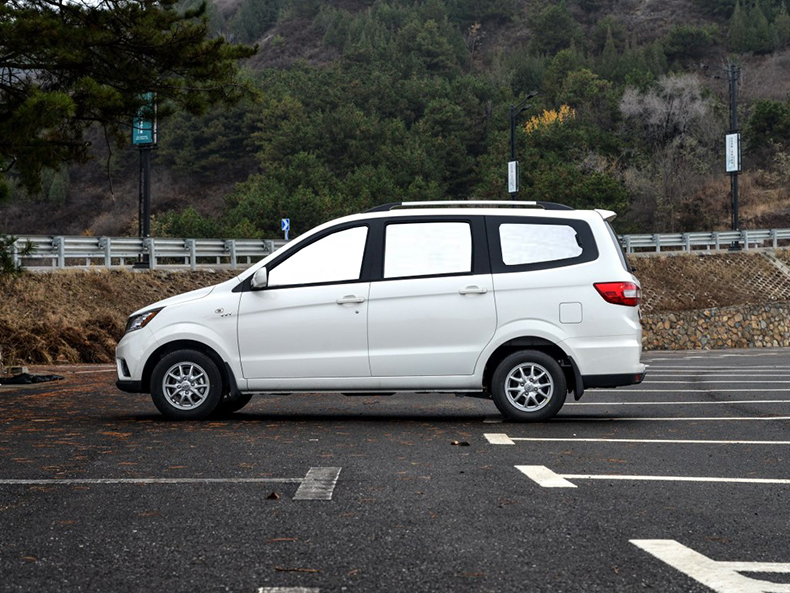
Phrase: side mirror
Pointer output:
(260, 279)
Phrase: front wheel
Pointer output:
(186, 385)
(529, 386)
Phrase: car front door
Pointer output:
(431, 311)
(311, 319)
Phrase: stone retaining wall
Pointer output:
(741, 326)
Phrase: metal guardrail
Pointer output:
(114, 252)
(713, 241)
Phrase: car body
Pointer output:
(408, 297)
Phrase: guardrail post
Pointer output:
(231, 246)
(745, 238)
(61, 245)
(15, 254)
(628, 248)
(686, 242)
(269, 246)
(106, 243)
(192, 254)
(716, 239)
(657, 241)
(150, 246)
(774, 237)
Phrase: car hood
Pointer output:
(192, 295)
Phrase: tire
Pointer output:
(200, 379)
(229, 404)
(543, 379)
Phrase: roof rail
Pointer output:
(474, 203)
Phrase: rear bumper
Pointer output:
(597, 381)
(130, 386)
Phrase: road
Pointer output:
(406, 493)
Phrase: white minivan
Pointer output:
(519, 302)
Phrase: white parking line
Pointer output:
(631, 390)
(714, 374)
(683, 403)
(503, 439)
(543, 476)
(288, 590)
(671, 419)
(318, 484)
(546, 478)
(723, 577)
(751, 382)
(730, 368)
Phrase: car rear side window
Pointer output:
(427, 249)
(526, 243)
(535, 243)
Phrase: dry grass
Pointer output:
(78, 316)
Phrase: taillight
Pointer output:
(620, 293)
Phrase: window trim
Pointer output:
(583, 231)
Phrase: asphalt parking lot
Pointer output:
(679, 484)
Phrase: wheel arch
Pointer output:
(530, 343)
(169, 347)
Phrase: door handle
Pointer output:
(473, 290)
(350, 300)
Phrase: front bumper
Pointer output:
(130, 386)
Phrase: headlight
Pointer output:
(138, 321)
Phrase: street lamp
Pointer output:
(733, 148)
(512, 166)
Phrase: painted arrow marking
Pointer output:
(723, 577)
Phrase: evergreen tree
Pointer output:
(610, 59)
(763, 34)
(69, 65)
(553, 29)
(782, 25)
(254, 17)
(738, 33)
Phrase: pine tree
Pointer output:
(762, 33)
(610, 59)
(782, 26)
(738, 34)
(69, 65)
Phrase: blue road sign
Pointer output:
(285, 226)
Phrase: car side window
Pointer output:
(524, 243)
(334, 258)
(427, 249)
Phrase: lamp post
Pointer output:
(512, 166)
(733, 147)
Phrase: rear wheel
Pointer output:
(186, 385)
(529, 386)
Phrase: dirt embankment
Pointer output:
(77, 316)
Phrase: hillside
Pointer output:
(363, 102)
